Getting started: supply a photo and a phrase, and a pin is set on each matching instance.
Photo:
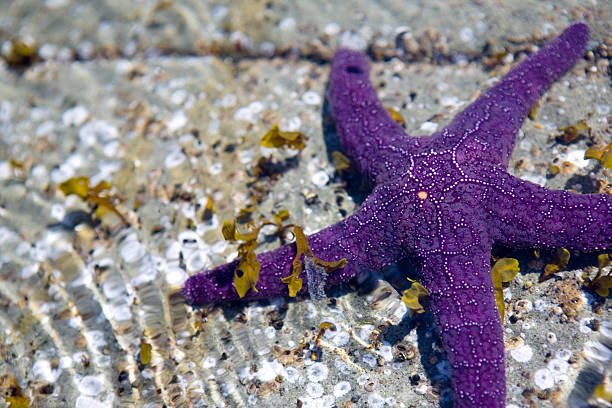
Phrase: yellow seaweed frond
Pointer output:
(558, 264)
(341, 162)
(396, 116)
(280, 216)
(508, 268)
(19, 51)
(327, 326)
(209, 209)
(98, 194)
(602, 392)
(601, 284)
(275, 138)
(603, 156)
(75, 185)
(230, 232)
(533, 112)
(504, 270)
(246, 274)
(12, 392)
(15, 164)
(603, 260)
(412, 296)
(293, 281)
(571, 133)
(145, 352)
(18, 402)
(553, 169)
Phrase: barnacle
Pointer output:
(412, 296)
(276, 138)
(98, 194)
(603, 156)
(504, 270)
(293, 281)
(559, 263)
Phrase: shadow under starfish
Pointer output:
(442, 201)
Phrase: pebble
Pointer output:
(75, 116)
(177, 121)
(97, 132)
(429, 127)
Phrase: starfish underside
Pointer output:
(442, 201)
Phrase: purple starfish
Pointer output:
(442, 201)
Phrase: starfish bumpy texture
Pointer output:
(442, 201)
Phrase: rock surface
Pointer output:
(174, 116)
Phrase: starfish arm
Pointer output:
(366, 239)
(532, 216)
(367, 133)
(496, 116)
(462, 302)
